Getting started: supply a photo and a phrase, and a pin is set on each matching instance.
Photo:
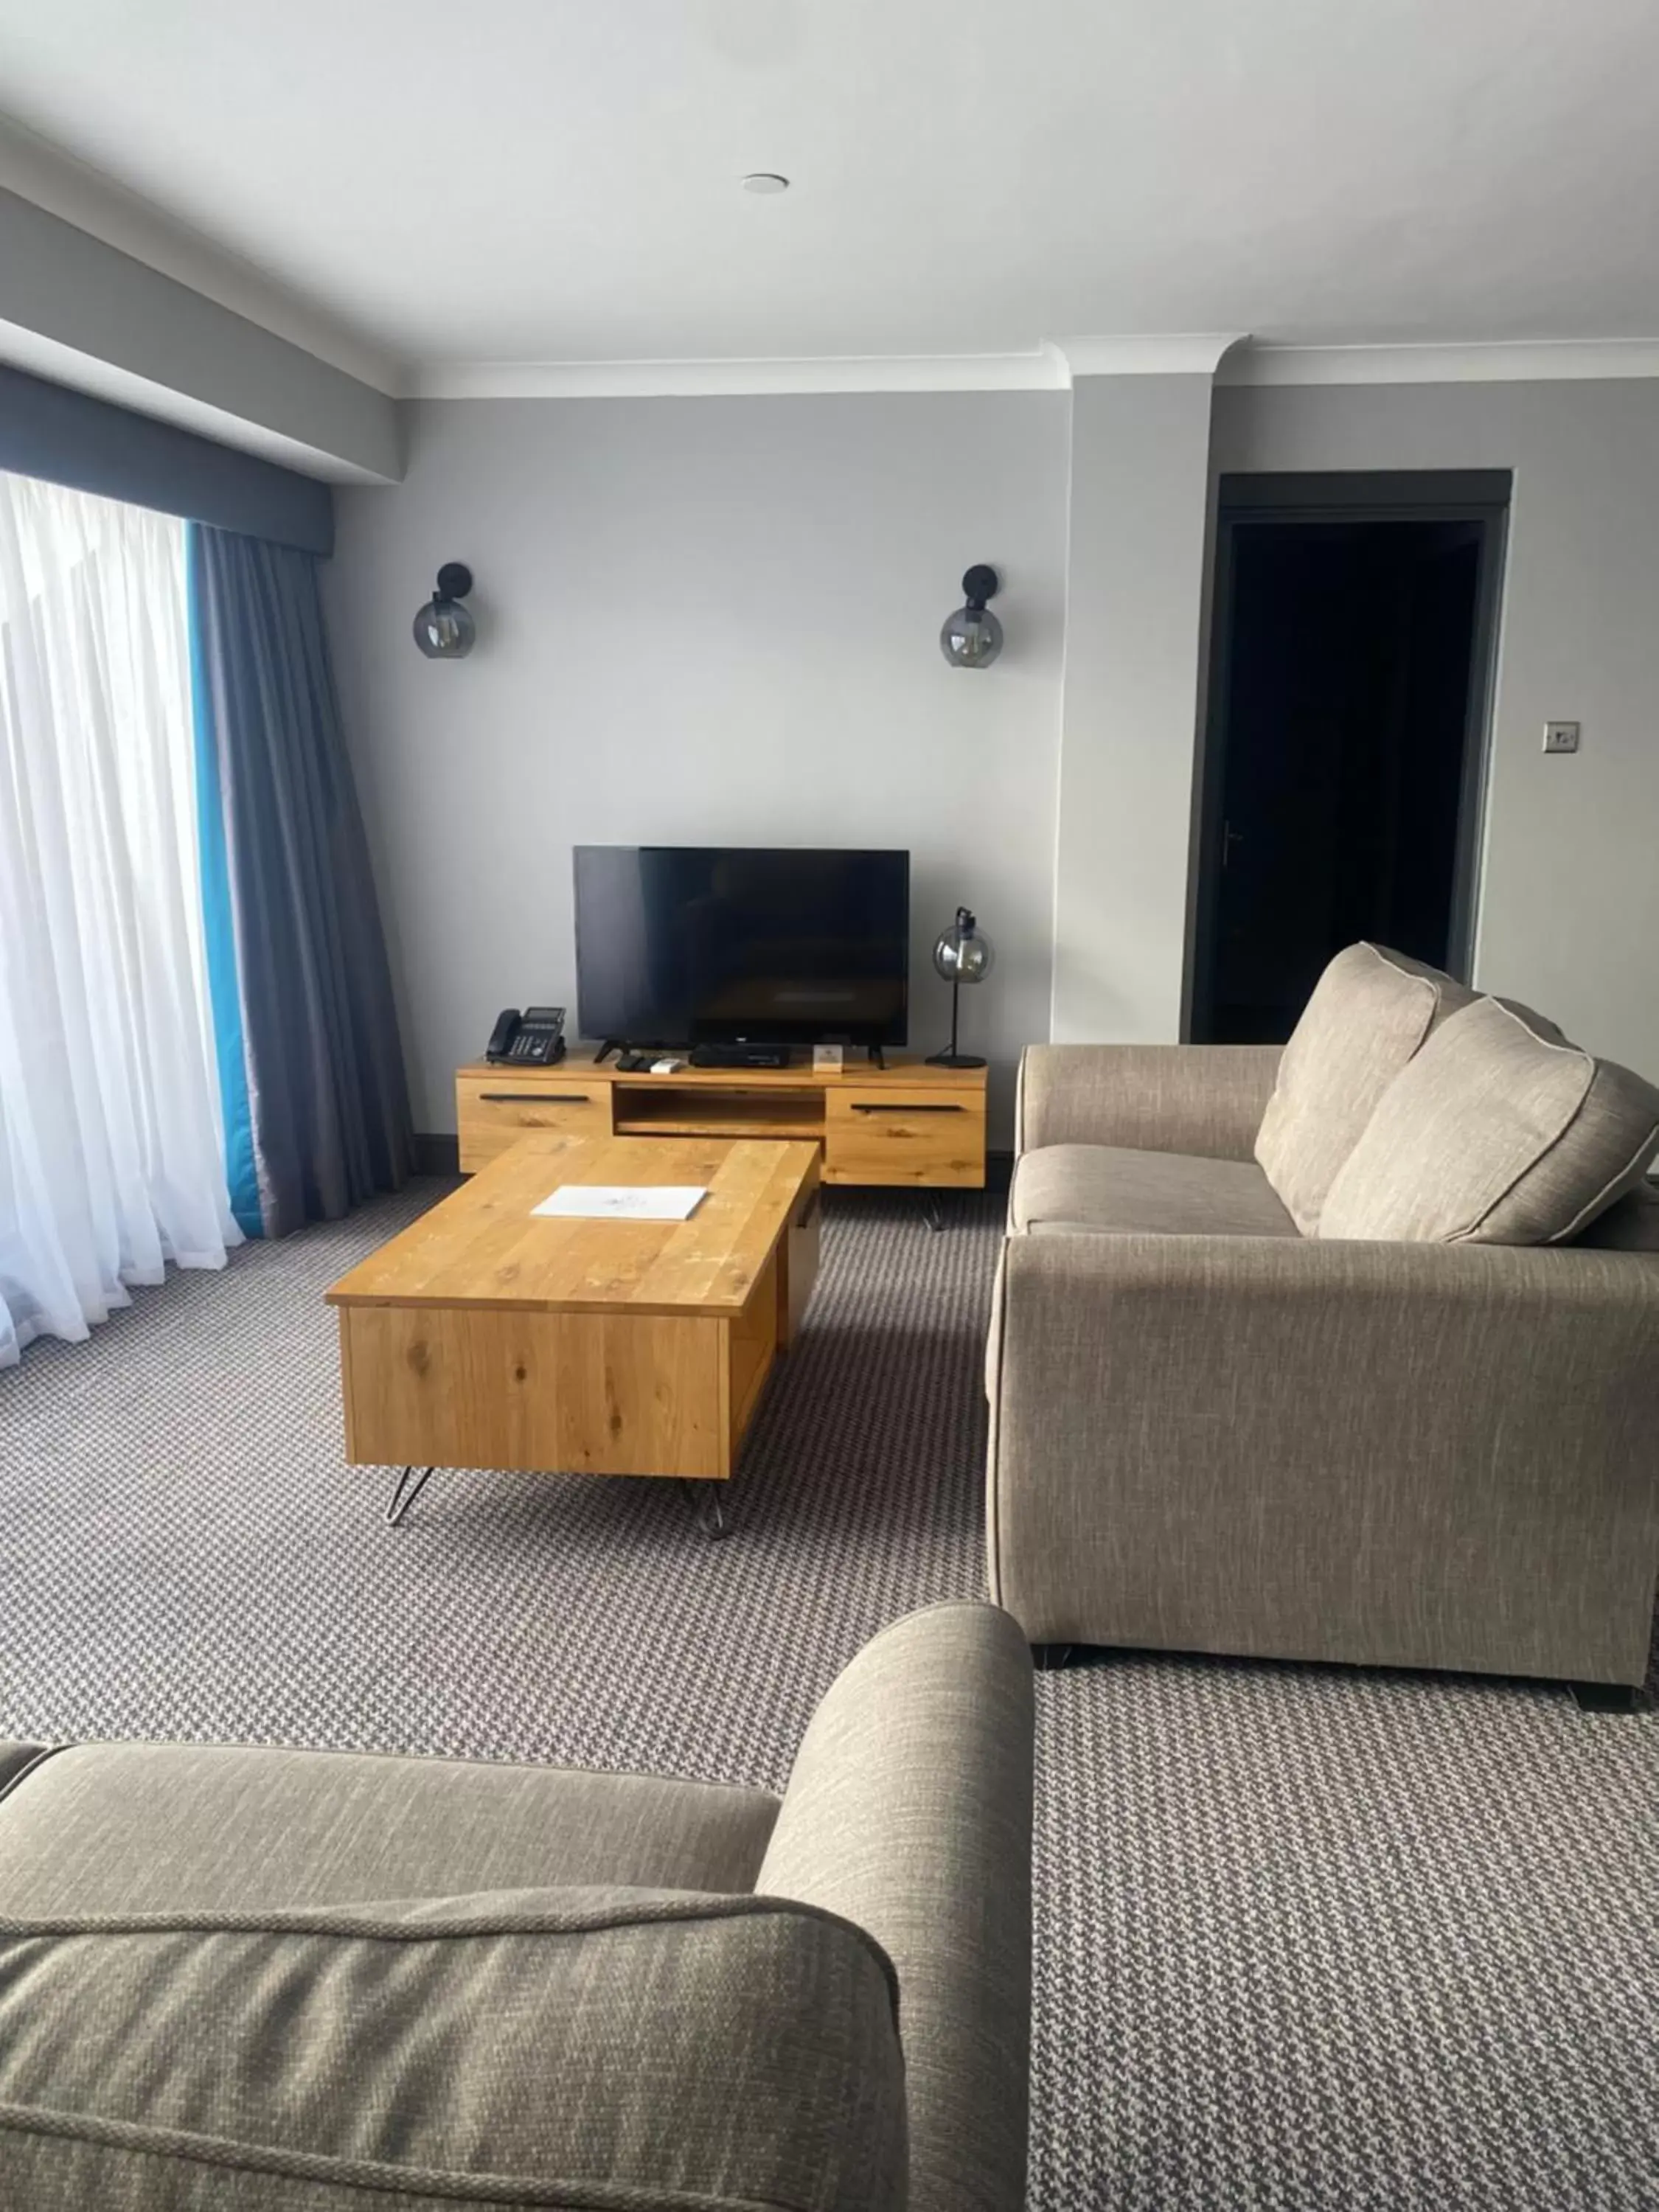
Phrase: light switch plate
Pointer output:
(1560, 737)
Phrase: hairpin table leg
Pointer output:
(406, 1492)
(704, 1499)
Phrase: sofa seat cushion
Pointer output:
(1497, 1134)
(1370, 1012)
(587, 2046)
(1072, 1187)
(151, 1827)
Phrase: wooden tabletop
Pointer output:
(483, 1245)
(904, 1070)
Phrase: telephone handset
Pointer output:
(534, 1038)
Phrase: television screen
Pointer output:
(681, 944)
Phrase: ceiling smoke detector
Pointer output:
(765, 181)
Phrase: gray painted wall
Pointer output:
(1569, 910)
(704, 621)
(714, 620)
(1138, 486)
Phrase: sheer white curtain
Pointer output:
(111, 1162)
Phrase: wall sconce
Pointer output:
(444, 628)
(972, 637)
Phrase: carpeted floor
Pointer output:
(1305, 1938)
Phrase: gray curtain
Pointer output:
(311, 1068)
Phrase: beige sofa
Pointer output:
(1401, 1429)
(286, 1981)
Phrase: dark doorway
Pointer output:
(1345, 745)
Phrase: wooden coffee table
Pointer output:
(487, 1336)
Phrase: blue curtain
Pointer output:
(311, 1071)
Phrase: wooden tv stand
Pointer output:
(906, 1125)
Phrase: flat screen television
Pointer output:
(689, 944)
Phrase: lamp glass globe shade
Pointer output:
(964, 955)
(970, 638)
(445, 630)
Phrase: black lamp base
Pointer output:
(954, 1059)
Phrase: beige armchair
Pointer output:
(295, 1981)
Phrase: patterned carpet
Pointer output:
(1306, 1938)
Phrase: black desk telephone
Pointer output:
(534, 1038)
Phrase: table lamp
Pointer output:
(962, 954)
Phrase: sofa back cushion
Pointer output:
(1370, 1013)
(524, 2047)
(1499, 1132)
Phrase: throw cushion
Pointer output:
(1370, 1013)
(526, 2047)
(1495, 1134)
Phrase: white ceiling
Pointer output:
(556, 180)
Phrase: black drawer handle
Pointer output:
(534, 1098)
(810, 1210)
(932, 1107)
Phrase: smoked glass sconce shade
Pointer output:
(444, 628)
(972, 637)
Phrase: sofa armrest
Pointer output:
(1203, 1098)
(908, 1811)
(1399, 1454)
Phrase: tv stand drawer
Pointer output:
(898, 1135)
(493, 1111)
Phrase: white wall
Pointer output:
(704, 621)
(1568, 910)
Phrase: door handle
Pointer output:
(534, 1098)
(1230, 837)
(933, 1106)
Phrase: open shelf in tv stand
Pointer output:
(659, 1107)
(907, 1125)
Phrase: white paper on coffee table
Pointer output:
(618, 1201)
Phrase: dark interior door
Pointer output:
(1350, 697)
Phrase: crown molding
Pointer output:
(1049, 368)
(1040, 371)
(1053, 367)
(1176, 353)
(1496, 361)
